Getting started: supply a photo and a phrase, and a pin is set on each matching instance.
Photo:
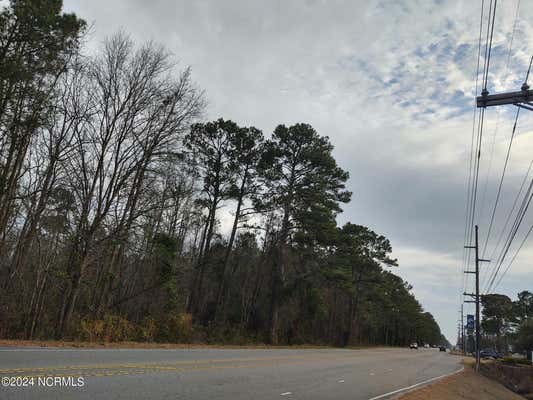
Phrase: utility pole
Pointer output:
(522, 99)
(459, 339)
(460, 331)
(463, 329)
(476, 296)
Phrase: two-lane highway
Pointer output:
(216, 373)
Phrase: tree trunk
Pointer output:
(278, 272)
(225, 274)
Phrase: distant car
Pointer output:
(413, 346)
(442, 348)
(426, 346)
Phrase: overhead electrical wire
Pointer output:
(468, 212)
(488, 49)
(501, 183)
(514, 257)
(510, 141)
(500, 237)
(526, 201)
(487, 64)
(520, 214)
(476, 154)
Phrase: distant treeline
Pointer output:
(112, 192)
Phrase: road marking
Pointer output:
(372, 374)
(341, 381)
(151, 365)
(285, 394)
(287, 359)
(416, 385)
(174, 366)
(103, 370)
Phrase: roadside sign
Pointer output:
(470, 322)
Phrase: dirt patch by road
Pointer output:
(466, 385)
(518, 378)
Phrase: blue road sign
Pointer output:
(470, 322)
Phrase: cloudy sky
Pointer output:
(390, 82)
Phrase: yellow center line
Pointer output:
(149, 365)
(162, 369)
(189, 365)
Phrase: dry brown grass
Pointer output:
(466, 385)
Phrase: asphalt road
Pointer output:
(216, 373)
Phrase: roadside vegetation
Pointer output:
(507, 325)
(125, 216)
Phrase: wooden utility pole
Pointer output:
(463, 329)
(522, 98)
(476, 296)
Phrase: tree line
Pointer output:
(506, 324)
(124, 215)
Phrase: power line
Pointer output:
(488, 50)
(529, 69)
(476, 167)
(512, 234)
(501, 182)
(475, 175)
(486, 76)
(522, 210)
(467, 232)
(473, 186)
(509, 51)
(524, 180)
(514, 257)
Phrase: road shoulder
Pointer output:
(9, 343)
(467, 385)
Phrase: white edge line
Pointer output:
(416, 385)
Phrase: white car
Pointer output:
(413, 346)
